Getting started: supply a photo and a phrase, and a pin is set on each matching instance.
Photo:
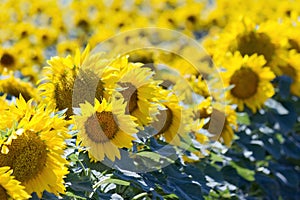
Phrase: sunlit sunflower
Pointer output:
(136, 85)
(172, 119)
(24, 30)
(251, 81)
(8, 58)
(84, 72)
(57, 86)
(192, 84)
(67, 47)
(248, 38)
(33, 146)
(105, 128)
(188, 15)
(9, 187)
(46, 35)
(15, 86)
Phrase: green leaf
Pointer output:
(70, 194)
(243, 172)
(153, 156)
(115, 181)
(243, 118)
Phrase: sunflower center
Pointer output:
(3, 194)
(27, 156)
(45, 37)
(83, 24)
(107, 130)
(86, 80)
(7, 60)
(252, 43)
(294, 45)
(63, 94)
(164, 122)
(130, 95)
(192, 19)
(246, 83)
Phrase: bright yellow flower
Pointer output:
(59, 81)
(33, 146)
(172, 118)
(136, 85)
(11, 189)
(9, 58)
(15, 86)
(105, 128)
(250, 78)
(248, 38)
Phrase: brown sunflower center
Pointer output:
(245, 83)
(3, 194)
(16, 89)
(63, 94)
(102, 127)
(7, 60)
(252, 43)
(130, 95)
(83, 24)
(294, 45)
(88, 86)
(27, 156)
(192, 19)
(165, 118)
(45, 37)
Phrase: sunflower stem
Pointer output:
(83, 168)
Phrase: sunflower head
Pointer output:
(15, 86)
(250, 78)
(32, 145)
(59, 80)
(105, 128)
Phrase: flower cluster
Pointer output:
(60, 101)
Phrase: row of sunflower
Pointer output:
(81, 103)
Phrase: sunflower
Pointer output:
(105, 128)
(82, 72)
(8, 58)
(67, 47)
(9, 187)
(199, 85)
(188, 16)
(248, 38)
(33, 147)
(46, 36)
(15, 86)
(136, 85)
(57, 86)
(172, 119)
(251, 81)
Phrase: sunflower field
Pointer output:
(150, 99)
